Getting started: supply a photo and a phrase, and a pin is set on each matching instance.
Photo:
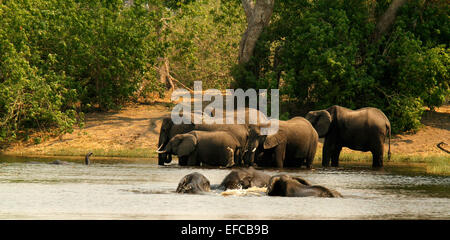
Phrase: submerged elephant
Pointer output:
(364, 129)
(218, 148)
(193, 183)
(287, 186)
(245, 178)
(293, 145)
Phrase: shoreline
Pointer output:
(132, 133)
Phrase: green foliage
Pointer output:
(204, 41)
(323, 53)
(59, 57)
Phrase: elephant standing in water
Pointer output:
(239, 131)
(245, 178)
(194, 148)
(293, 145)
(364, 129)
(194, 183)
(287, 186)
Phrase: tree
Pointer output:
(321, 53)
(387, 19)
(258, 13)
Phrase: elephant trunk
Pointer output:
(162, 157)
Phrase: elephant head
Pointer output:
(181, 145)
(245, 178)
(257, 141)
(321, 121)
(285, 185)
(279, 185)
(164, 138)
(237, 179)
(193, 183)
(167, 131)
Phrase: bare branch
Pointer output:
(440, 147)
(388, 18)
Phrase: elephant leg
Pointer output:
(238, 157)
(162, 158)
(310, 158)
(335, 156)
(326, 153)
(377, 157)
(183, 161)
(308, 162)
(193, 159)
(280, 155)
(230, 158)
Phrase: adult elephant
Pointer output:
(217, 148)
(287, 186)
(293, 145)
(245, 178)
(193, 183)
(168, 130)
(364, 129)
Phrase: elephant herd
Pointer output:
(278, 185)
(293, 145)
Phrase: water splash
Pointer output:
(253, 191)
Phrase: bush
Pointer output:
(59, 57)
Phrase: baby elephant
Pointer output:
(193, 183)
(285, 185)
(245, 178)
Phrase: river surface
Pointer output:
(32, 188)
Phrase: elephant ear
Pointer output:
(273, 186)
(187, 145)
(323, 123)
(302, 181)
(274, 140)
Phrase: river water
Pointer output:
(32, 188)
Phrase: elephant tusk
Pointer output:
(254, 149)
(160, 147)
(158, 151)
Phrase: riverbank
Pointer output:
(133, 133)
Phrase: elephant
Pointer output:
(287, 186)
(245, 178)
(218, 148)
(364, 129)
(168, 130)
(194, 183)
(293, 145)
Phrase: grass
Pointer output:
(431, 164)
(119, 153)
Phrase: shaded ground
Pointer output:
(133, 132)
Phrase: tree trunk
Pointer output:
(258, 13)
(387, 19)
(164, 73)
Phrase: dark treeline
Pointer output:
(61, 58)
